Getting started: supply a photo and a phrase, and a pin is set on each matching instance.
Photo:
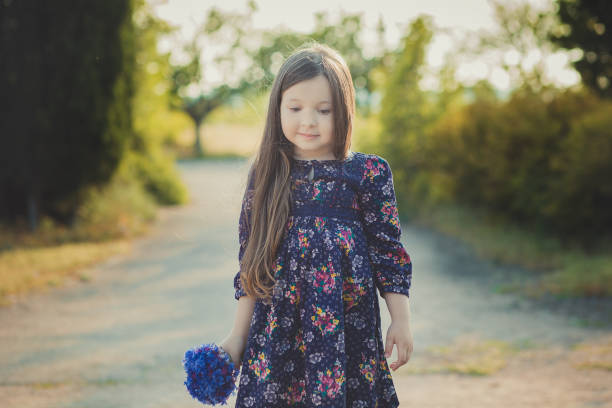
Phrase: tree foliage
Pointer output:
(154, 122)
(539, 158)
(588, 26)
(540, 163)
(190, 90)
(405, 109)
(519, 44)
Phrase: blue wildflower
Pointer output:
(211, 374)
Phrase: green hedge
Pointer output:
(543, 163)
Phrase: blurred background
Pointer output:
(496, 117)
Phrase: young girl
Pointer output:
(319, 230)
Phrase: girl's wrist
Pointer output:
(402, 323)
(234, 346)
(398, 306)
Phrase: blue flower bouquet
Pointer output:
(211, 374)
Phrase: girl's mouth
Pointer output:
(307, 135)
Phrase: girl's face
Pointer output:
(307, 118)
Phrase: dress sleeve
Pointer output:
(391, 264)
(243, 235)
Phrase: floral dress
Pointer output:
(318, 343)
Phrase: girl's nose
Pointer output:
(310, 118)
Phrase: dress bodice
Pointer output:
(326, 183)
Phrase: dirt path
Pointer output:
(118, 340)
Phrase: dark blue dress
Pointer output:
(319, 342)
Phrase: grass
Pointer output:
(109, 217)
(593, 354)
(27, 269)
(557, 269)
(49, 385)
(474, 356)
(466, 355)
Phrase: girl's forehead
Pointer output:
(315, 89)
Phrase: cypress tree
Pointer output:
(66, 75)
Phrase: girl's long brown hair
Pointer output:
(269, 175)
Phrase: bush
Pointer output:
(540, 163)
(583, 193)
(158, 176)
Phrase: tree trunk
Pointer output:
(33, 207)
(197, 147)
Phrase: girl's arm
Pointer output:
(235, 342)
(391, 264)
(244, 314)
(399, 330)
(398, 305)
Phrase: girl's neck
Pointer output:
(324, 157)
(320, 158)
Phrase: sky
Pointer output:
(461, 17)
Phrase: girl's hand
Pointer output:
(234, 345)
(400, 335)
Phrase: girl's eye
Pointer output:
(322, 111)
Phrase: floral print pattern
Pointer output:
(272, 324)
(329, 382)
(325, 278)
(296, 392)
(352, 290)
(293, 293)
(259, 367)
(344, 237)
(324, 320)
(318, 343)
(368, 369)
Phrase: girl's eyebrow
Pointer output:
(298, 100)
